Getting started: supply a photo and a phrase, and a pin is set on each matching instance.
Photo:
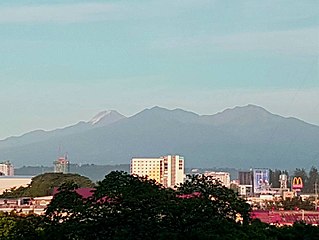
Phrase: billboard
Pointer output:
(297, 183)
(261, 180)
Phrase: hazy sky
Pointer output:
(64, 61)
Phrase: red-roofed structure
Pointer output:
(286, 217)
(84, 192)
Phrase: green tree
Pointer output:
(65, 215)
(132, 207)
(296, 203)
(298, 231)
(224, 201)
(312, 180)
(7, 224)
(15, 227)
(125, 206)
(261, 231)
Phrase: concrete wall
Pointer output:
(10, 182)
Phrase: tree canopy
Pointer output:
(309, 179)
(126, 206)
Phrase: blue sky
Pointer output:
(64, 61)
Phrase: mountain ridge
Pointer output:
(238, 137)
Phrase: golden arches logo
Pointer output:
(297, 182)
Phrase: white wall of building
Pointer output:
(7, 182)
(167, 170)
(223, 177)
(6, 168)
(180, 169)
(150, 167)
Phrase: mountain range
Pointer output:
(241, 137)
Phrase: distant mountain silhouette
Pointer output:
(241, 137)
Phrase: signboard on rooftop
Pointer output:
(261, 180)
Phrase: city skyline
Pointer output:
(65, 62)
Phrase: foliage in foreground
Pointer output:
(130, 207)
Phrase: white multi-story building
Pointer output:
(167, 170)
(223, 177)
(6, 169)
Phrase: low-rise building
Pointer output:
(245, 190)
(223, 177)
(10, 182)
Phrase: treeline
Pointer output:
(309, 178)
(130, 207)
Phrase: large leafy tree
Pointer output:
(16, 227)
(313, 180)
(309, 180)
(66, 214)
(131, 207)
(195, 217)
(222, 202)
(125, 206)
(296, 203)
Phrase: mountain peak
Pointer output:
(177, 115)
(248, 109)
(251, 107)
(106, 117)
(243, 115)
(158, 108)
(98, 117)
(170, 111)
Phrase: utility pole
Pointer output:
(316, 195)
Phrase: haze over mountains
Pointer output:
(241, 137)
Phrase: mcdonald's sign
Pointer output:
(297, 183)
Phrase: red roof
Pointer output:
(191, 195)
(286, 217)
(83, 192)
